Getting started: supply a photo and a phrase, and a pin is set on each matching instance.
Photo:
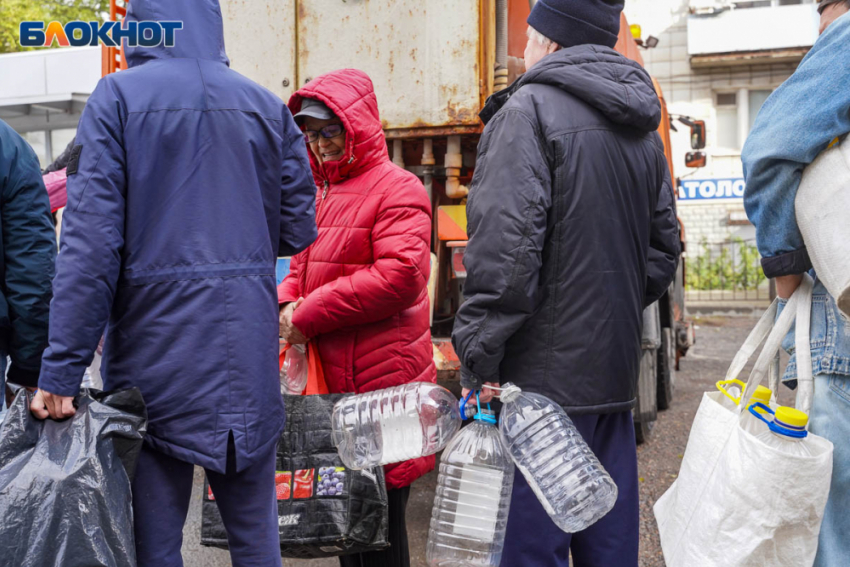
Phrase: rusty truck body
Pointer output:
(433, 64)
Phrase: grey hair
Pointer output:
(540, 38)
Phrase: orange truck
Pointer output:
(433, 65)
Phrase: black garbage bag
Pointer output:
(65, 496)
(324, 509)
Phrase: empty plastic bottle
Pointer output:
(473, 497)
(563, 472)
(293, 371)
(787, 431)
(394, 425)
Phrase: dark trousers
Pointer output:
(162, 490)
(533, 539)
(398, 554)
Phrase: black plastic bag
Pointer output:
(65, 497)
(324, 509)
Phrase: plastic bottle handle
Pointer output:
(752, 410)
(721, 383)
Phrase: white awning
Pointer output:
(46, 112)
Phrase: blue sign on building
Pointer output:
(711, 189)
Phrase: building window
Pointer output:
(727, 121)
(736, 114)
(756, 100)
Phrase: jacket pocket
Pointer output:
(840, 385)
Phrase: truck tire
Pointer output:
(666, 360)
(646, 409)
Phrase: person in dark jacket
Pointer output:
(27, 253)
(572, 233)
(186, 182)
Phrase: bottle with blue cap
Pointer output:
(573, 486)
(473, 496)
(786, 431)
(732, 391)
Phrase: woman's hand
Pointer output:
(288, 331)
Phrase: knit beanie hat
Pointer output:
(576, 22)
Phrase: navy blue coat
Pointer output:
(27, 251)
(190, 181)
(572, 232)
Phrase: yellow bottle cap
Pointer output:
(762, 395)
(791, 416)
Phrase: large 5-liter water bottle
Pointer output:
(787, 432)
(473, 496)
(563, 472)
(394, 425)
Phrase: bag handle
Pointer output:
(798, 305)
(316, 384)
(803, 350)
(757, 336)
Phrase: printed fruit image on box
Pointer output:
(331, 481)
(304, 483)
(283, 484)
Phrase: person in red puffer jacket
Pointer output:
(360, 290)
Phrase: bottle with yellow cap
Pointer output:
(787, 431)
(732, 389)
(750, 423)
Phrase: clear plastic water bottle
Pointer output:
(731, 390)
(749, 422)
(473, 497)
(394, 425)
(563, 472)
(786, 432)
(293, 371)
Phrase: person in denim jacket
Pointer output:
(798, 122)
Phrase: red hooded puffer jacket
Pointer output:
(365, 277)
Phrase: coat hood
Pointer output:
(349, 93)
(616, 86)
(202, 36)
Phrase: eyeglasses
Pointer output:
(331, 131)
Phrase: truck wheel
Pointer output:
(646, 409)
(666, 360)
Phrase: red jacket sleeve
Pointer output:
(289, 289)
(401, 247)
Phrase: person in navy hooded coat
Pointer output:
(186, 182)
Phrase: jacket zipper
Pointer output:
(321, 207)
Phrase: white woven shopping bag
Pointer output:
(823, 215)
(738, 502)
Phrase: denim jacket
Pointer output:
(830, 338)
(797, 123)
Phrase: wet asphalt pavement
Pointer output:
(718, 339)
